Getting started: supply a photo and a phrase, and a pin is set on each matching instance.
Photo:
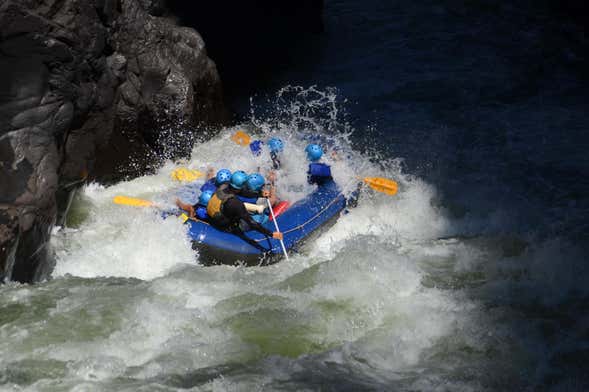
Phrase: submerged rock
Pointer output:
(87, 89)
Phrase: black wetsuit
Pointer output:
(234, 211)
(319, 173)
(246, 193)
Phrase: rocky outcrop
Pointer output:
(89, 89)
(254, 42)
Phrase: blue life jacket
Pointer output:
(209, 186)
(318, 173)
(201, 212)
(260, 218)
(244, 199)
(256, 147)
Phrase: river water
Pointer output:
(473, 277)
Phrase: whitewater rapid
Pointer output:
(129, 304)
(401, 293)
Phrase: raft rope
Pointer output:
(299, 227)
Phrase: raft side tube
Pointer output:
(320, 209)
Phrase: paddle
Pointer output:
(135, 202)
(241, 138)
(383, 185)
(277, 229)
(184, 174)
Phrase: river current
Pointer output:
(473, 277)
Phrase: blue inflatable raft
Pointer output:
(304, 218)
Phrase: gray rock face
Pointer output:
(87, 88)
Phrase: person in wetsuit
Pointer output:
(213, 181)
(199, 210)
(318, 173)
(253, 192)
(276, 146)
(227, 212)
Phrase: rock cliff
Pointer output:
(89, 89)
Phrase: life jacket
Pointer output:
(245, 199)
(260, 218)
(256, 147)
(249, 196)
(201, 212)
(318, 173)
(209, 186)
(215, 206)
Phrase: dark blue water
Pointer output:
(474, 276)
(490, 104)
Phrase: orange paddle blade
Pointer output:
(383, 185)
(241, 138)
(131, 201)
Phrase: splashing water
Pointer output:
(384, 299)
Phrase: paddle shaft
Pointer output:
(277, 229)
(135, 202)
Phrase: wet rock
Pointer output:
(9, 236)
(14, 173)
(86, 89)
(153, 7)
(105, 89)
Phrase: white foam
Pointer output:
(356, 291)
(122, 241)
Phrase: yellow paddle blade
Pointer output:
(183, 174)
(183, 217)
(241, 138)
(383, 185)
(131, 201)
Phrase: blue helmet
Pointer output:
(204, 198)
(275, 144)
(238, 179)
(314, 152)
(223, 176)
(255, 182)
